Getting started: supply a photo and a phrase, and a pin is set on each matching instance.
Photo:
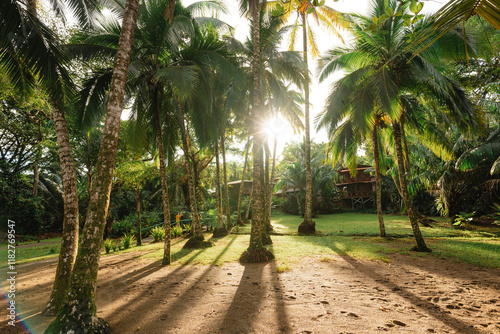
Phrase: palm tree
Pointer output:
(81, 295)
(256, 251)
(456, 11)
(381, 74)
(166, 72)
(332, 21)
(36, 58)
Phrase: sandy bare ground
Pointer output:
(335, 295)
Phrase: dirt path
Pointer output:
(342, 295)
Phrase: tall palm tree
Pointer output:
(36, 58)
(256, 251)
(81, 295)
(381, 74)
(166, 73)
(332, 21)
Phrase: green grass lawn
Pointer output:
(351, 234)
(32, 251)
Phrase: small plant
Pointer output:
(127, 240)
(53, 250)
(176, 231)
(463, 220)
(158, 233)
(187, 227)
(115, 246)
(108, 245)
(282, 268)
(496, 215)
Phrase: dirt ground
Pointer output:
(319, 295)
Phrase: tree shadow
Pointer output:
(161, 296)
(245, 305)
(423, 304)
(247, 301)
(142, 273)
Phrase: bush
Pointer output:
(158, 233)
(127, 240)
(125, 226)
(176, 231)
(108, 245)
(115, 245)
(187, 227)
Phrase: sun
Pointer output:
(279, 129)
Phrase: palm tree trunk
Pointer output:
(421, 246)
(266, 238)
(271, 185)
(220, 230)
(164, 190)
(69, 243)
(78, 312)
(138, 235)
(378, 184)
(242, 184)
(308, 226)
(406, 152)
(256, 251)
(197, 238)
(226, 188)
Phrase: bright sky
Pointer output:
(318, 92)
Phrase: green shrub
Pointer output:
(127, 240)
(115, 245)
(176, 231)
(125, 226)
(158, 233)
(108, 245)
(463, 220)
(187, 227)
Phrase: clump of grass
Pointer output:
(158, 233)
(53, 250)
(283, 268)
(187, 227)
(127, 240)
(108, 245)
(327, 259)
(115, 245)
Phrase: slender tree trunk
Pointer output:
(421, 246)
(36, 175)
(256, 251)
(406, 152)
(89, 166)
(221, 229)
(138, 235)
(266, 238)
(164, 188)
(226, 188)
(197, 238)
(69, 243)
(308, 226)
(242, 184)
(271, 185)
(378, 184)
(249, 206)
(78, 312)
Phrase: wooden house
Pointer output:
(356, 190)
